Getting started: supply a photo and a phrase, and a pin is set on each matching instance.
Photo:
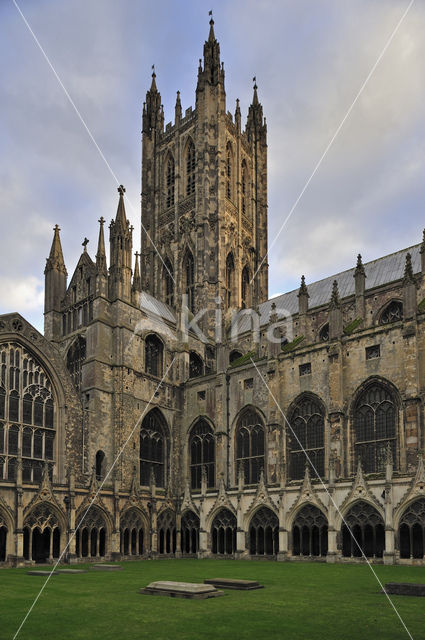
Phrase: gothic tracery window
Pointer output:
(41, 534)
(392, 313)
(230, 275)
(132, 533)
(223, 533)
(264, 533)
(167, 538)
(153, 355)
(310, 532)
(168, 282)
(367, 529)
(196, 365)
(190, 168)
(324, 333)
(202, 454)
(170, 181)
(190, 526)
(189, 280)
(411, 531)
(75, 359)
(27, 417)
(246, 298)
(90, 537)
(229, 171)
(307, 432)
(154, 449)
(375, 419)
(250, 446)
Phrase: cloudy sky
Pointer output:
(310, 58)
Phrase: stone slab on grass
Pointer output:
(39, 572)
(405, 589)
(189, 590)
(72, 571)
(230, 583)
(107, 567)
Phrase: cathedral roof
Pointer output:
(378, 272)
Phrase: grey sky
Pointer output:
(310, 58)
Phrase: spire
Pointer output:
(408, 270)
(121, 218)
(255, 101)
(303, 287)
(153, 88)
(55, 260)
(137, 281)
(334, 296)
(101, 254)
(359, 266)
(238, 115)
(153, 117)
(178, 108)
(212, 73)
(256, 125)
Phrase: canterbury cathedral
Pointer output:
(172, 409)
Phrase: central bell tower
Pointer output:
(204, 196)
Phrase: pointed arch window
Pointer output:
(100, 465)
(190, 168)
(324, 333)
(168, 282)
(310, 533)
(170, 181)
(189, 280)
(229, 171)
(250, 446)
(27, 412)
(367, 532)
(230, 276)
(154, 350)
(392, 312)
(375, 425)
(154, 449)
(246, 298)
(307, 434)
(196, 365)
(244, 188)
(75, 359)
(202, 454)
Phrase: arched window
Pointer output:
(310, 532)
(41, 534)
(411, 531)
(3, 539)
(264, 533)
(223, 533)
(75, 359)
(190, 532)
(234, 355)
(170, 182)
(324, 333)
(100, 465)
(244, 187)
(154, 449)
(250, 446)
(189, 280)
(307, 432)
(230, 275)
(166, 525)
(392, 312)
(368, 529)
(168, 282)
(246, 298)
(229, 171)
(28, 416)
(132, 533)
(91, 535)
(375, 420)
(202, 454)
(153, 355)
(196, 365)
(190, 168)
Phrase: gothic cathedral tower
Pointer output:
(204, 197)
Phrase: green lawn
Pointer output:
(300, 600)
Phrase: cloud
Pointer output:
(21, 294)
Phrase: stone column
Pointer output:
(283, 533)
(389, 553)
(359, 279)
(203, 534)
(178, 553)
